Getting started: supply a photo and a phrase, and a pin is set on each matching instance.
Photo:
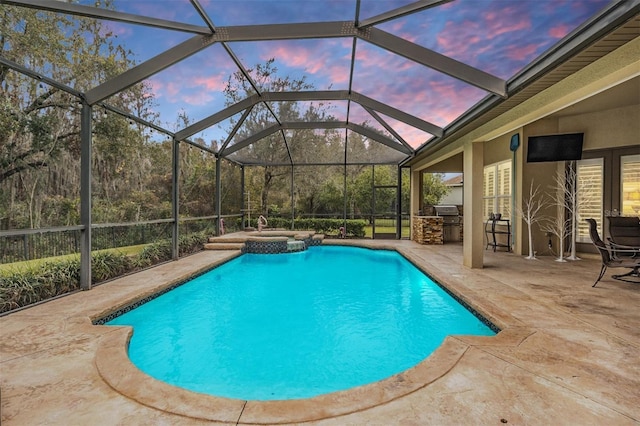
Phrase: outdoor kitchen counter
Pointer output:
(427, 229)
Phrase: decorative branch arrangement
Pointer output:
(571, 205)
(564, 196)
(530, 213)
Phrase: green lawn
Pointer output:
(368, 230)
(27, 265)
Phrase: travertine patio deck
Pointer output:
(569, 354)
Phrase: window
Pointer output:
(497, 189)
(630, 185)
(590, 179)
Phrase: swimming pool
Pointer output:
(272, 327)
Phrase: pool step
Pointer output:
(295, 246)
(229, 239)
(223, 246)
(260, 241)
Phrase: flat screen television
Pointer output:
(565, 147)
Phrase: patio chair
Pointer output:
(614, 256)
(624, 232)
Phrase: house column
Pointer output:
(473, 168)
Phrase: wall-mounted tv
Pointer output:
(565, 147)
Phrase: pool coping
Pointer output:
(116, 369)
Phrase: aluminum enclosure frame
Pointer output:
(365, 31)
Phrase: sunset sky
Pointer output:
(499, 37)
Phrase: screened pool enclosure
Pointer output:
(158, 118)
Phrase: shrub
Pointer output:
(18, 289)
(154, 253)
(192, 243)
(53, 278)
(161, 251)
(109, 264)
(61, 276)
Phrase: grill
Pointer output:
(450, 221)
(449, 214)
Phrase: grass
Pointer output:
(368, 231)
(30, 265)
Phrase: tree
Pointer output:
(559, 225)
(39, 124)
(571, 205)
(567, 185)
(530, 213)
(274, 149)
(433, 188)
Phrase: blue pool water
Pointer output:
(287, 326)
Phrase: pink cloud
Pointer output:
(414, 137)
(200, 79)
(216, 83)
(457, 40)
(297, 56)
(470, 38)
(411, 87)
(559, 31)
(522, 53)
(197, 98)
(358, 115)
(162, 89)
(173, 88)
(508, 20)
(397, 26)
(444, 89)
(373, 59)
(293, 56)
(322, 60)
(155, 84)
(337, 74)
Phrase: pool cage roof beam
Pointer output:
(236, 128)
(111, 15)
(217, 117)
(37, 76)
(435, 60)
(378, 137)
(316, 125)
(60, 86)
(364, 31)
(417, 6)
(276, 127)
(375, 36)
(387, 126)
(203, 14)
(208, 35)
(148, 68)
(309, 96)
